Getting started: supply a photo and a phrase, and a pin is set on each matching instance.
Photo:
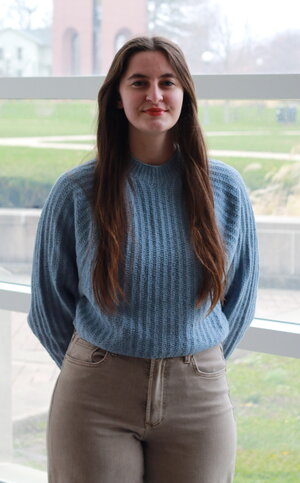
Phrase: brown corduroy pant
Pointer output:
(121, 419)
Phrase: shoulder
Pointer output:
(227, 184)
(81, 177)
(69, 196)
(232, 202)
(225, 177)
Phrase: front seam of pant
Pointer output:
(154, 408)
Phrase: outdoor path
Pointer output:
(73, 143)
(34, 373)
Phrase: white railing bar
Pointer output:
(264, 335)
(271, 341)
(208, 86)
(15, 297)
(285, 323)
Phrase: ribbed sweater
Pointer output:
(162, 272)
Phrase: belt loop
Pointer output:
(187, 359)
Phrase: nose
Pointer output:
(154, 94)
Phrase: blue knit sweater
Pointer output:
(163, 273)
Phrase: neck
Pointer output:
(156, 149)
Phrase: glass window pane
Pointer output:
(39, 141)
(261, 140)
(220, 36)
(33, 378)
(42, 139)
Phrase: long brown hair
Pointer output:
(113, 162)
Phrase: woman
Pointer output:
(144, 280)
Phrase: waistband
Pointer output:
(186, 358)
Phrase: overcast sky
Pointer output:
(263, 18)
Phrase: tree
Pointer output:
(281, 53)
(27, 14)
(278, 54)
(190, 23)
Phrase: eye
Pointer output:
(168, 83)
(138, 83)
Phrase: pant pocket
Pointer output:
(209, 363)
(82, 352)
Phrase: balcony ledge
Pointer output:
(264, 335)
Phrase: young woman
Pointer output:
(144, 280)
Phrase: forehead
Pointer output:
(148, 63)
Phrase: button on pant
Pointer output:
(120, 419)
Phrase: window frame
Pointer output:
(208, 86)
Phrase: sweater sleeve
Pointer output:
(54, 273)
(242, 276)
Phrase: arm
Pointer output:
(240, 295)
(54, 272)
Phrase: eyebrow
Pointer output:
(143, 76)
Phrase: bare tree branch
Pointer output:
(21, 14)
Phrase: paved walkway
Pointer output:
(34, 373)
(73, 143)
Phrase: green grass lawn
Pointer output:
(265, 390)
(256, 172)
(47, 118)
(23, 169)
(27, 174)
(277, 142)
(43, 165)
(245, 115)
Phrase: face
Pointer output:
(151, 94)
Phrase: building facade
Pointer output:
(87, 33)
(25, 53)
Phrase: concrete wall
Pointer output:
(279, 244)
(17, 235)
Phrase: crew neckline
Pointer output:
(156, 171)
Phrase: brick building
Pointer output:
(87, 33)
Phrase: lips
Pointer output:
(155, 111)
